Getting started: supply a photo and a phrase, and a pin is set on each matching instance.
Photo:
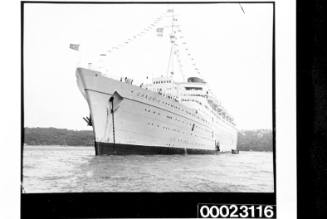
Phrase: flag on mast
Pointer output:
(74, 46)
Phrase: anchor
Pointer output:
(115, 101)
(88, 120)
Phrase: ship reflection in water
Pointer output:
(76, 169)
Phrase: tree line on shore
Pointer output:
(54, 136)
(255, 140)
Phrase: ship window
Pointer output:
(193, 88)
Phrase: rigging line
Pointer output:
(145, 30)
(180, 67)
(169, 60)
(242, 8)
(177, 53)
(189, 54)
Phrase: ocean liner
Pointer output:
(164, 116)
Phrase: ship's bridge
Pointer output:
(194, 92)
(195, 87)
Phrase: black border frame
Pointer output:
(311, 97)
(147, 204)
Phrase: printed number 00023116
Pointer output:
(236, 211)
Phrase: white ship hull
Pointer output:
(140, 121)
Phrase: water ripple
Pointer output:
(76, 169)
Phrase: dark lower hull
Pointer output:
(124, 149)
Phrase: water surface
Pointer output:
(77, 169)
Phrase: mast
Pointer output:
(170, 68)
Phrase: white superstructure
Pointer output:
(164, 116)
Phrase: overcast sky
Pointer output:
(232, 50)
